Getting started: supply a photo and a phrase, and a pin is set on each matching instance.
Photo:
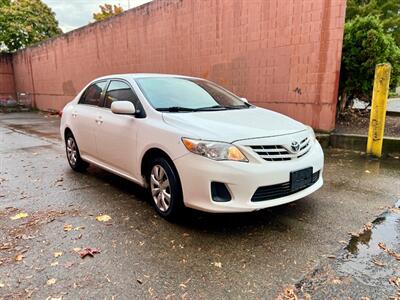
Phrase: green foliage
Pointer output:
(365, 45)
(387, 10)
(107, 11)
(25, 22)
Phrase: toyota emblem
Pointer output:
(295, 146)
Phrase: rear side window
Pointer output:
(92, 95)
(120, 91)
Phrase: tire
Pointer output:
(165, 189)
(74, 159)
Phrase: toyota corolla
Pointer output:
(191, 143)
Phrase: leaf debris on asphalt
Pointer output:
(88, 251)
(51, 281)
(389, 251)
(20, 215)
(103, 218)
(19, 257)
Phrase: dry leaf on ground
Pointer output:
(217, 264)
(67, 227)
(20, 215)
(58, 254)
(103, 218)
(19, 257)
(51, 281)
(88, 251)
(389, 251)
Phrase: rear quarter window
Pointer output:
(93, 94)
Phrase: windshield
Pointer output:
(176, 94)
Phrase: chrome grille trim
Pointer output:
(281, 152)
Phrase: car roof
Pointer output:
(128, 76)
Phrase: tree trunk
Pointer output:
(343, 101)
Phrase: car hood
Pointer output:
(233, 125)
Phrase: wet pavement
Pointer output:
(369, 266)
(253, 255)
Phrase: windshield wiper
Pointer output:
(236, 106)
(181, 108)
(175, 109)
(214, 107)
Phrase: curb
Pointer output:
(356, 142)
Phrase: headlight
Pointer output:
(312, 133)
(214, 150)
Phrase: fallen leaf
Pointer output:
(77, 249)
(217, 264)
(69, 264)
(103, 218)
(54, 263)
(51, 281)
(67, 227)
(395, 281)
(378, 263)
(290, 294)
(367, 171)
(1, 285)
(389, 251)
(58, 254)
(88, 251)
(19, 257)
(20, 215)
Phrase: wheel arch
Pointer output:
(149, 156)
(66, 131)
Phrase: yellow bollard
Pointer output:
(378, 109)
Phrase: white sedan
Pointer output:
(192, 143)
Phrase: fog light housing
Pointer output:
(219, 192)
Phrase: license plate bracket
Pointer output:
(300, 179)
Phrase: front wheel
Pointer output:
(74, 159)
(165, 189)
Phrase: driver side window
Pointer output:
(120, 91)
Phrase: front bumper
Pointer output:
(242, 180)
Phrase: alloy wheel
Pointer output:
(72, 151)
(160, 188)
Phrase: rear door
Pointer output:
(116, 134)
(84, 118)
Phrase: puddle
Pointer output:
(37, 129)
(363, 250)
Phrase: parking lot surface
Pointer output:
(211, 256)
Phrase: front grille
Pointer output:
(280, 152)
(279, 190)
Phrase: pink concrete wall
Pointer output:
(7, 86)
(280, 54)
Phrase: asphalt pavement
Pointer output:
(50, 214)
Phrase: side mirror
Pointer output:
(244, 100)
(123, 108)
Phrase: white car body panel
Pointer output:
(119, 142)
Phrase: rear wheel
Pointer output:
(74, 159)
(165, 189)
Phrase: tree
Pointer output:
(387, 10)
(25, 22)
(365, 45)
(107, 11)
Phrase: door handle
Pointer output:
(99, 120)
